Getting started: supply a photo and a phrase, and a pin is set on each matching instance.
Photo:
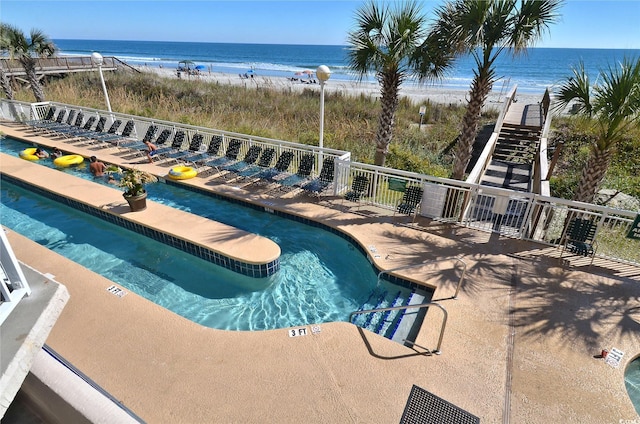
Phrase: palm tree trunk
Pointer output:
(6, 85)
(593, 174)
(389, 102)
(29, 65)
(480, 89)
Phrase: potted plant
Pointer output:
(132, 180)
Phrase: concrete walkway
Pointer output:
(519, 344)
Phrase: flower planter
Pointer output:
(137, 203)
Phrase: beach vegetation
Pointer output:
(392, 43)
(485, 30)
(15, 43)
(610, 110)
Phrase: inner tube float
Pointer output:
(182, 173)
(68, 160)
(29, 154)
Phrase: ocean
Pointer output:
(538, 69)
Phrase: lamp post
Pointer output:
(97, 59)
(323, 73)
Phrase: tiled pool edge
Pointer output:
(250, 270)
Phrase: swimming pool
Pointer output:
(323, 277)
(632, 382)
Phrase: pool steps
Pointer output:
(397, 325)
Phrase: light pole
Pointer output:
(97, 59)
(323, 73)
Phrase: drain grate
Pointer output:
(426, 408)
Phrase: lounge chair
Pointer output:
(162, 143)
(212, 151)
(86, 137)
(264, 162)
(580, 238)
(324, 180)
(44, 126)
(138, 144)
(114, 139)
(66, 125)
(249, 159)
(48, 117)
(302, 175)
(233, 150)
(281, 166)
(359, 187)
(73, 132)
(178, 152)
(110, 134)
(196, 147)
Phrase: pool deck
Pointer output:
(520, 344)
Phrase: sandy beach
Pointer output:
(417, 93)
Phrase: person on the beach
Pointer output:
(41, 153)
(56, 153)
(151, 150)
(96, 167)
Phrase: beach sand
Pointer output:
(418, 94)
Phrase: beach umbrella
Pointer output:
(308, 72)
(201, 67)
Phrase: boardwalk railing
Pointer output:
(66, 64)
(528, 216)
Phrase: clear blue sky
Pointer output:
(584, 23)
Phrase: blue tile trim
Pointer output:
(393, 279)
(251, 270)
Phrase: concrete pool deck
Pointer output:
(519, 344)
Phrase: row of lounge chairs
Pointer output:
(255, 167)
(72, 126)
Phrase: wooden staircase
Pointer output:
(511, 164)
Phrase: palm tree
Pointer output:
(612, 108)
(4, 80)
(27, 51)
(486, 29)
(394, 45)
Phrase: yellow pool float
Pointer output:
(29, 154)
(182, 173)
(68, 160)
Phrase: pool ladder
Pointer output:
(417, 307)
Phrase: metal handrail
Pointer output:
(457, 259)
(437, 351)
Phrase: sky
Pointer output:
(583, 24)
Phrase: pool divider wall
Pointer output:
(251, 270)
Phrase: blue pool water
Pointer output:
(323, 277)
(632, 382)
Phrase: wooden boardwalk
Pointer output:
(62, 65)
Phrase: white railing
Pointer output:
(13, 286)
(528, 216)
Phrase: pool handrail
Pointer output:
(437, 350)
